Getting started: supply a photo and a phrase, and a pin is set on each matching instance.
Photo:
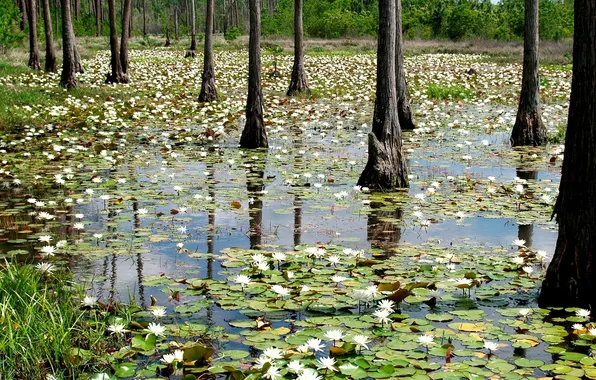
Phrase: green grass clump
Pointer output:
(40, 324)
(440, 92)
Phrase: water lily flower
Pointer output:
(326, 363)
(279, 256)
(46, 268)
(382, 316)
(272, 373)
(281, 290)
(295, 366)
(525, 312)
(577, 326)
(273, 353)
(528, 270)
(242, 279)
(315, 344)
(261, 361)
(159, 312)
(426, 340)
(518, 242)
(168, 358)
(309, 374)
(387, 305)
(89, 301)
(334, 335)
(45, 239)
(463, 282)
(48, 250)
(117, 328)
(338, 279)
(361, 341)
(156, 329)
(491, 346)
(582, 313)
(518, 260)
(592, 332)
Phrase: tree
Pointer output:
(254, 134)
(193, 31)
(33, 47)
(404, 111)
(571, 276)
(116, 75)
(386, 167)
(528, 128)
(68, 79)
(97, 18)
(208, 89)
(298, 83)
(50, 65)
(126, 20)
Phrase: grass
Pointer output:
(40, 326)
(438, 92)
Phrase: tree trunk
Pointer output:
(50, 65)
(528, 128)
(116, 75)
(208, 89)
(33, 46)
(386, 167)
(298, 83)
(404, 111)
(571, 276)
(144, 18)
(77, 8)
(126, 16)
(176, 24)
(97, 18)
(78, 61)
(23, 8)
(68, 79)
(193, 31)
(254, 134)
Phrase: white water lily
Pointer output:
(426, 340)
(334, 335)
(156, 329)
(518, 260)
(273, 353)
(518, 243)
(528, 270)
(387, 305)
(272, 373)
(382, 316)
(361, 341)
(89, 301)
(242, 280)
(281, 290)
(46, 268)
(309, 374)
(582, 313)
(327, 363)
(525, 312)
(117, 328)
(295, 366)
(315, 344)
(159, 312)
(491, 346)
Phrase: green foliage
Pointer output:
(10, 34)
(232, 34)
(448, 92)
(40, 325)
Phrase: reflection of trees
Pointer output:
(211, 220)
(136, 227)
(382, 231)
(297, 219)
(527, 174)
(254, 187)
(525, 232)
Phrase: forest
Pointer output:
(303, 190)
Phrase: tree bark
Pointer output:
(386, 167)
(77, 8)
(571, 276)
(193, 31)
(528, 128)
(33, 46)
(116, 75)
(208, 88)
(144, 18)
(404, 111)
(126, 17)
(254, 134)
(68, 79)
(298, 83)
(97, 18)
(50, 64)
(78, 61)
(23, 8)
(176, 24)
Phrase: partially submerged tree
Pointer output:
(298, 83)
(571, 276)
(254, 134)
(68, 79)
(193, 31)
(386, 167)
(208, 89)
(50, 64)
(33, 46)
(116, 74)
(528, 128)
(404, 111)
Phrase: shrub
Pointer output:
(10, 34)
(232, 33)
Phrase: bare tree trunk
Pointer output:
(23, 8)
(78, 60)
(33, 46)
(126, 17)
(208, 88)
(254, 134)
(386, 167)
(144, 18)
(298, 83)
(116, 75)
(68, 79)
(97, 18)
(193, 38)
(176, 35)
(571, 276)
(50, 65)
(404, 111)
(77, 8)
(528, 128)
